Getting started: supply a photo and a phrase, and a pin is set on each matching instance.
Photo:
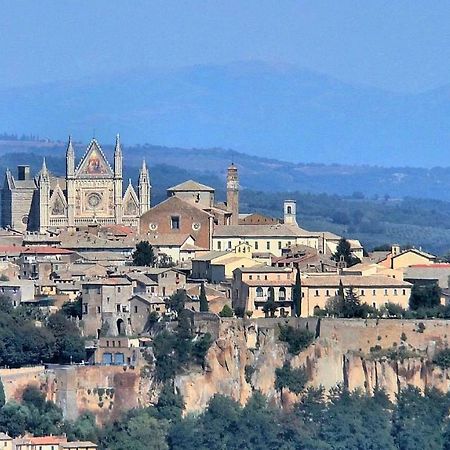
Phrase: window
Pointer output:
(256, 245)
(279, 245)
(258, 277)
(259, 291)
(395, 291)
(250, 277)
(289, 210)
(268, 245)
(282, 294)
(362, 292)
(229, 245)
(404, 291)
(107, 300)
(135, 309)
(107, 343)
(118, 289)
(265, 277)
(118, 308)
(374, 292)
(85, 308)
(219, 245)
(175, 222)
(98, 309)
(327, 293)
(385, 292)
(317, 293)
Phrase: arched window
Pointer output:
(282, 293)
(289, 209)
(271, 294)
(259, 292)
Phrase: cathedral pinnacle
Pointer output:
(117, 148)
(70, 151)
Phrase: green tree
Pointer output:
(425, 296)
(344, 252)
(170, 404)
(226, 311)
(297, 294)
(204, 307)
(298, 339)
(144, 254)
(83, 429)
(73, 308)
(293, 379)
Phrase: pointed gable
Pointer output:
(94, 162)
(58, 202)
(130, 202)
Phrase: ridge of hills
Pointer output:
(349, 200)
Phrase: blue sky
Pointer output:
(401, 46)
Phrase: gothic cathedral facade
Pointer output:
(90, 193)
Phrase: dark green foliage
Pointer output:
(203, 299)
(177, 301)
(144, 254)
(293, 379)
(425, 296)
(174, 351)
(297, 294)
(394, 310)
(170, 403)
(73, 309)
(419, 420)
(83, 429)
(226, 311)
(2, 394)
(348, 305)
(442, 358)
(343, 252)
(69, 346)
(297, 339)
(269, 307)
(249, 371)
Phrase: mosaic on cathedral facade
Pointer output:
(91, 192)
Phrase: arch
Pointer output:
(259, 291)
(289, 209)
(271, 293)
(316, 310)
(120, 327)
(282, 293)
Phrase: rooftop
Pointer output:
(191, 185)
(352, 281)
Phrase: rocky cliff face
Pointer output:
(244, 358)
(246, 354)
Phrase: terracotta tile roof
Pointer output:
(353, 280)
(191, 185)
(11, 249)
(268, 282)
(44, 250)
(260, 231)
(47, 440)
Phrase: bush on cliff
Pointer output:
(296, 338)
(442, 358)
(293, 379)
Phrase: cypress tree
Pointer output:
(203, 299)
(297, 294)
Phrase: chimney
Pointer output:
(23, 172)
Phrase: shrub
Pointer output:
(403, 337)
(442, 358)
(293, 379)
(249, 371)
(296, 338)
(226, 312)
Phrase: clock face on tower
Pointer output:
(94, 200)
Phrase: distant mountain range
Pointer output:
(169, 166)
(260, 109)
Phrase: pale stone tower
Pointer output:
(118, 180)
(290, 212)
(144, 189)
(70, 181)
(44, 197)
(233, 194)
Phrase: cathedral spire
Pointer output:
(144, 189)
(118, 158)
(70, 159)
(44, 166)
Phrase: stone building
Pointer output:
(90, 192)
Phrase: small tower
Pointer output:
(118, 180)
(233, 194)
(144, 189)
(70, 177)
(44, 197)
(290, 212)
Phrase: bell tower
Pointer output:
(44, 198)
(144, 189)
(233, 194)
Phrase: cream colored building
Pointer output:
(218, 266)
(399, 259)
(6, 442)
(375, 290)
(252, 287)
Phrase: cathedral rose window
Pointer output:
(94, 200)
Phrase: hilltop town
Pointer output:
(109, 287)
